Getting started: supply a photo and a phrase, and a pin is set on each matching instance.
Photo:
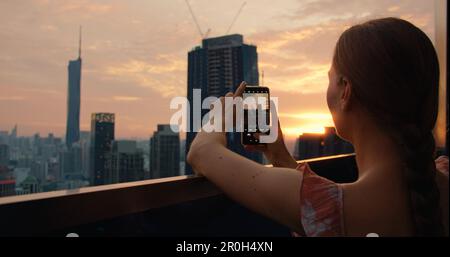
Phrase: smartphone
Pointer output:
(259, 109)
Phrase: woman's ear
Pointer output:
(346, 94)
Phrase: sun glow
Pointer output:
(295, 124)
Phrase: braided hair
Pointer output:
(394, 72)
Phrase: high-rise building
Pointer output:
(182, 157)
(37, 143)
(85, 140)
(125, 163)
(70, 160)
(53, 169)
(4, 155)
(13, 136)
(309, 145)
(312, 145)
(73, 99)
(164, 153)
(218, 67)
(4, 137)
(334, 144)
(102, 136)
(39, 170)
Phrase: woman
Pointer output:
(383, 96)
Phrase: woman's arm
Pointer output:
(272, 192)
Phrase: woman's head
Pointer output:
(388, 69)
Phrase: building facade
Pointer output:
(102, 136)
(125, 163)
(164, 153)
(312, 145)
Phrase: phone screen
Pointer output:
(256, 112)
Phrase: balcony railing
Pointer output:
(177, 206)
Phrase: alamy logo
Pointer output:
(226, 114)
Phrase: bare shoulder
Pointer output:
(372, 206)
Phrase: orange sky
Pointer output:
(135, 55)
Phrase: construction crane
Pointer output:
(203, 36)
(206, 34)
(235, 17)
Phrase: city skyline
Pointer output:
(132, 68)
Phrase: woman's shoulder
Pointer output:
(377, 204)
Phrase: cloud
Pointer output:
(84, 7)
(164, 75)
(297, 59)
(12, 98)
(126, 98)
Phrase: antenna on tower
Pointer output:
(262, 78)
(79, 44)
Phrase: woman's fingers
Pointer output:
(442, 164)
(240, 89)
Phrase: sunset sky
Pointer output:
(135, 55)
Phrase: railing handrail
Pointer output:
(88, 189)
(150, 182)
(43, 212)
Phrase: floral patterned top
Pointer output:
(321, 205)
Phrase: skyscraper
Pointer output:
(85, 138)
(311, 145)
(334, 144)
(218, 67)
(13, 136)
(102, 136)
(164, 153)
(73, 99)
(125, 163)
(4, 137)
(4, 155)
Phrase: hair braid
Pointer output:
(418, 148)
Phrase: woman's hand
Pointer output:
(442, 164)
(275, 152)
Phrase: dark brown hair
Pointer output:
(393, 69)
